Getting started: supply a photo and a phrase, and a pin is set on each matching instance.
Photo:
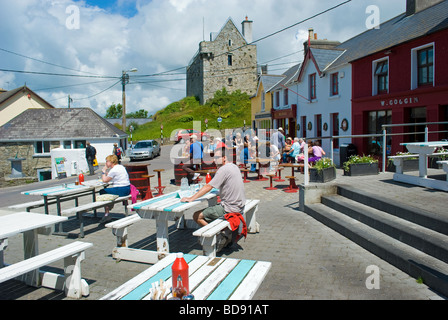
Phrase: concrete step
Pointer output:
(430, 220)
(414, 262)
(429, 241)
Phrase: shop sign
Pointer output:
(399, 101)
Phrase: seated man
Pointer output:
(231, 190)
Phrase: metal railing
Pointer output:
(384, 136)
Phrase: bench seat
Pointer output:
(444, 164)
(120, 228)
(31, 205)
(72, 254)
(80, 210)
(210, 235)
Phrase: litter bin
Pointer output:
(346, 151)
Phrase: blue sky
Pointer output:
(125, 8)
(83, 46)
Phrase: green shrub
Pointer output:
(358, 159)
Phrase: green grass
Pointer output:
(233, 108)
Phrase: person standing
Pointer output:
(117, 151)
(278, 139)
(90, 157)
(196, 155)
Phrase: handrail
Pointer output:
(384, 135)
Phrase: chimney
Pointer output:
(314, 42)
(264, 69)
(415, 6)
(247, 30)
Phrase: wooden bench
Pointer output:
(399, 161)
(120, 228)
(73, 285)
(80, 210)
(210, 235)
(31, 205)
(444, 164)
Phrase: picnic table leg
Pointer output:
(75, 286)
(3, 246)
(46, 204)
(93, 200)
(31, 249)
(162, 236)
(58, 227)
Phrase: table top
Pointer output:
(426, 144)
(170, 202)
(210, 278)
(61, 190)
(18, 222)
(291, 164)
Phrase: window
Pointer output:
(230, 81)
(285, 97)
(382, 77)
(67, 144)
(230, 43)
(277, 98)
(80, 144)
(303, 127)
(425, 61)
(263, 101)
(41, 147)
(312, 85)
(318, 119)
(335, 128)
(229, 60)
(334, 84)
(375, 121)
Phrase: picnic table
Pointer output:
(65, 192)
(292, 166)
(423, 149)
(261, 162)
(165, 208)
(210, 278)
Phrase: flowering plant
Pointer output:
(358, 159)
(442, 156)
(323, 163)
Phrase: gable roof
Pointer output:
(322, 59)
(11, 93)
(56, 124)
(290, 75)
(394, 32)
(233, 25)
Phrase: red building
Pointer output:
(400, 76)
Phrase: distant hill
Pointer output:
(233, 108)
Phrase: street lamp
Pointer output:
(124, 82)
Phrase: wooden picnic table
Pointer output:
(260, 163)
(29, 224)
(167, 207)
(65, 192)
(292, 166)
(423, 149)
(210, 278)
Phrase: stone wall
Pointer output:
(23, 150)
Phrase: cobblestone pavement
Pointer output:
(309, 260)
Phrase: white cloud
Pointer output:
(159, 36)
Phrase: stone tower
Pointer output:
(228, 61)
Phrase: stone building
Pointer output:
(227, 61)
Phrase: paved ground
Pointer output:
(309, 260)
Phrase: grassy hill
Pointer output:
(233, 108)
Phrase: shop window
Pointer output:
(335, 128)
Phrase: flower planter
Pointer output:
(408, 165)
(362, 169)
(323, 175)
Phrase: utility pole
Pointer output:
(124, 82)
(69, 100)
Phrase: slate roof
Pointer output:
(394, 32)
(58, 124)
(289, 75)
(325, 57)
(269, 81)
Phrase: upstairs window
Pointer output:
(334, 79)
(285, 97)
(382, 76)
(312, 86)
(425, 66)
(229, 60)
(42, 147)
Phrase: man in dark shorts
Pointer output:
(231, 190)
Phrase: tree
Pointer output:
(114, 111)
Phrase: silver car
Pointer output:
(145, 149)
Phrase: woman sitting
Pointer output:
(117, 176)
(317, 151)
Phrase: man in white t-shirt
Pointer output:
(231, 190)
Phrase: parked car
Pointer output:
(185, 134)
(145, 149)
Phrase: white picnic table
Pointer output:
(65, 192)
(29, 224)
(163, 209)
(423, 149)
(210, 278)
